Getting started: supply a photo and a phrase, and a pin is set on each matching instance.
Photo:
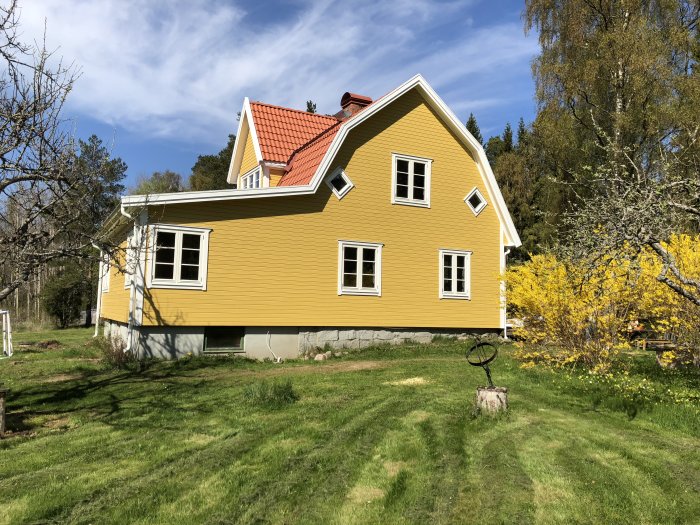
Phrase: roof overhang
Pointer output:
(246, 125)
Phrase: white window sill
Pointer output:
(418, 204)
(376, 293)
(177, 286)
(454, 296)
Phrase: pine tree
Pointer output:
(522, 134)
(473, 128)
(310, 106)
(508, 138)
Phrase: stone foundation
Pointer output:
(311, 339)
(173, 342)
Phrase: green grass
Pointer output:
(188, 442)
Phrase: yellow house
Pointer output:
(381, 223)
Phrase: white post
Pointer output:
(6, 333)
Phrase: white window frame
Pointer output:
(377, 290)
(248, 179)
(130, 258)
(483, 204)
(176, 283)
(105, 271)
(428, 171)
(346, 189)
(467, 275)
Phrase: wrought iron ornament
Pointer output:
(481, 354)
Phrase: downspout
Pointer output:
(98, 307)
(132, 293)
(505, 304)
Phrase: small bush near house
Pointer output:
(114, 354)
(272, 395)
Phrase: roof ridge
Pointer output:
(310, 142)
(312, 115)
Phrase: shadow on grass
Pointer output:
(108, 391)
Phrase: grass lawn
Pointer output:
(180, 443)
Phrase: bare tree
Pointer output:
(47, 203)
(639, 204)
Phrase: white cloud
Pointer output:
(181, 68)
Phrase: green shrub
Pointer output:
(62, 297)
(114, 354)
(274, 395)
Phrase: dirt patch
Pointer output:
(325, 368)
(365, 494)
(59, 422)
(411, 381)
(58, 378)
(394, 467)
(49, 344)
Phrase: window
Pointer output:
(359, 268)
(251, 180)
(411, 180)
(339, 183)
(454, 274)
(475, 200)
(223, 339)
(178, 257)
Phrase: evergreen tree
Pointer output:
(507, 138)
(310, 106)
(210, 171)
(522, 133)
(473, 128)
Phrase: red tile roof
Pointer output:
(281, 131)
(305, 160)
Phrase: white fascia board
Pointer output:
(241, 139)
(213, 195)
(455, 125)
(417, 81)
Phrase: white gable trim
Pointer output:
(416, 82)
(246, 126)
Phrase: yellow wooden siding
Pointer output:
(275, 176)
(249, 160)
(115, 302)
(275, 261)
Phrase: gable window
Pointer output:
(455, 274)
(359, 268)
(411, 180)
(339, 183)
(178, 257)
(475, 200)
(252, 180)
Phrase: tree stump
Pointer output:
(3, 394)
(492, 399)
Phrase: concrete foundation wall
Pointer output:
(168, 342)
(350, 338)
(284, 342)
(173, 342)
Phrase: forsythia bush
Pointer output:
(584, 314)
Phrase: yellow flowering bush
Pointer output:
(583, 314)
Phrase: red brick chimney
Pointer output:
(352, 103)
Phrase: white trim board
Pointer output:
(417, 82)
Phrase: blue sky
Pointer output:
(161, 82)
